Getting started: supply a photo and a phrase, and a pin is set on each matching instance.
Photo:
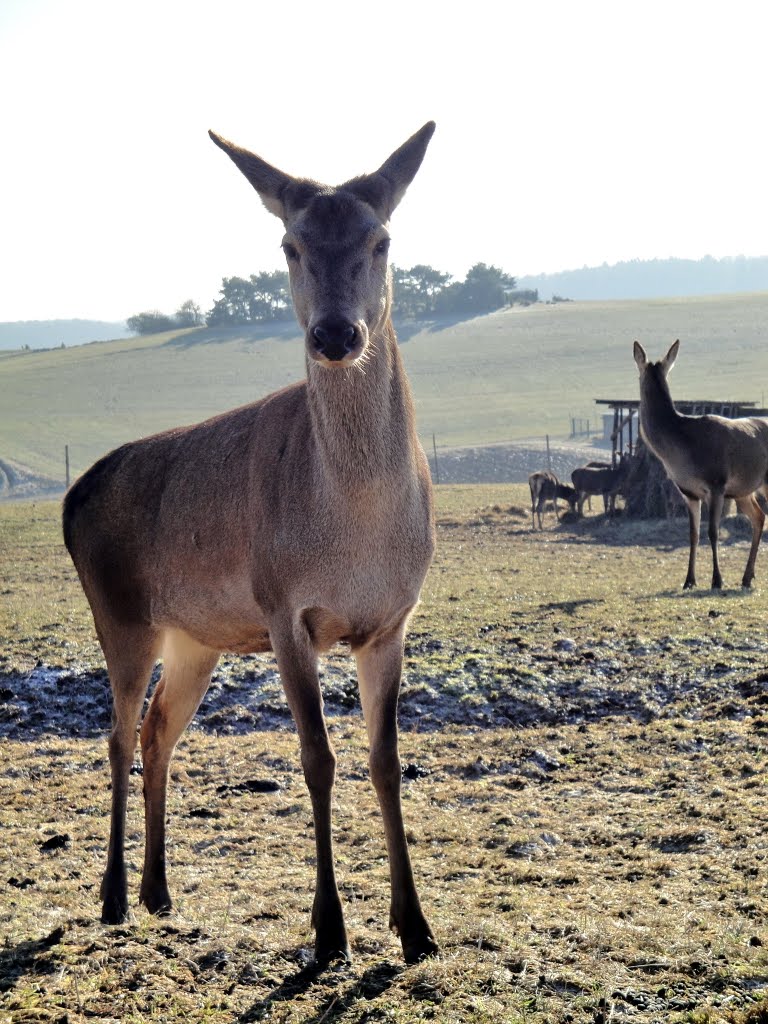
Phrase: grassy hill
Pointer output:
(513, 374)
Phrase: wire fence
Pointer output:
(509, 461)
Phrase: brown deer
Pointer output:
(590, 479)
(302, 520)
(709, 458)
(546, 487)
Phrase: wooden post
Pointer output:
(437, 467)
(66, 465)
(615, 435)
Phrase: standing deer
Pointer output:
(709, 458)
(599, 479)
(546, 487)
(291, 524)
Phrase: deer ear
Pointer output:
(640, 357)
(669, 359)
(384, 189)
(272, 185)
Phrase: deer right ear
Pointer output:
(669, 359)
(640, 357)
(269, 182)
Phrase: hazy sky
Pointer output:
(568, 134)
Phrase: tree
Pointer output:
(189, 314)
(483, 288)
(261, 297)
(271, 296)
(417, 289)
(150, 322)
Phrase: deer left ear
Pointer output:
(669, 359)
(384, 189)
(640, 357)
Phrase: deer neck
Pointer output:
(660, 422)
(362, 415)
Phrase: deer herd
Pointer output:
(305, 519)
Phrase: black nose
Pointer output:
(334, 338)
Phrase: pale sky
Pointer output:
(568, 134)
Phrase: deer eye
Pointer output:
(381, 248)
(291, 253)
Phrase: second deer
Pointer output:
(710, 458)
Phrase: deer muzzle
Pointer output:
(335, 340)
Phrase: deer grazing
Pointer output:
(546, 487)
(291, 524)
(709, 458)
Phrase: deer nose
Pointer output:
(334, 338)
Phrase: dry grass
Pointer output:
(605, 861)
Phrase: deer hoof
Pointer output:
(332, 953)
(114, 910)
(689, 584)
(157, 901)
(419, 949)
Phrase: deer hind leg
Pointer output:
(187, 668)
(297, 662)
(750, 507)
(130, 653)
(716, 499)
(694, 525)
(379, 669)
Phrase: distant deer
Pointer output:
(302, 520)
(546, 487)
(597, 464)
(588, 480)
(710, 458)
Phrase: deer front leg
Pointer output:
(187, 668)
(130, 655)
(716, 499)
(694, 524)
(379, 667)
(750, 507)
(297, 662)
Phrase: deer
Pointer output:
(545, 487)
(294, 523)
(598, 479)
(709, 458)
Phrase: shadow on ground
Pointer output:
(375, 981)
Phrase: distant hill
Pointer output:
(518, 373)
(654, 279)
(52, 333)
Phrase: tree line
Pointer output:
(420, 292)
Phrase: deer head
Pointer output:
(336, 244)
(665, 364)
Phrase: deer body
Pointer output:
(290, 524)
(545, 487)
(589, 480)
(709, 458)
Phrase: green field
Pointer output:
(513, 374)
(587, 816)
